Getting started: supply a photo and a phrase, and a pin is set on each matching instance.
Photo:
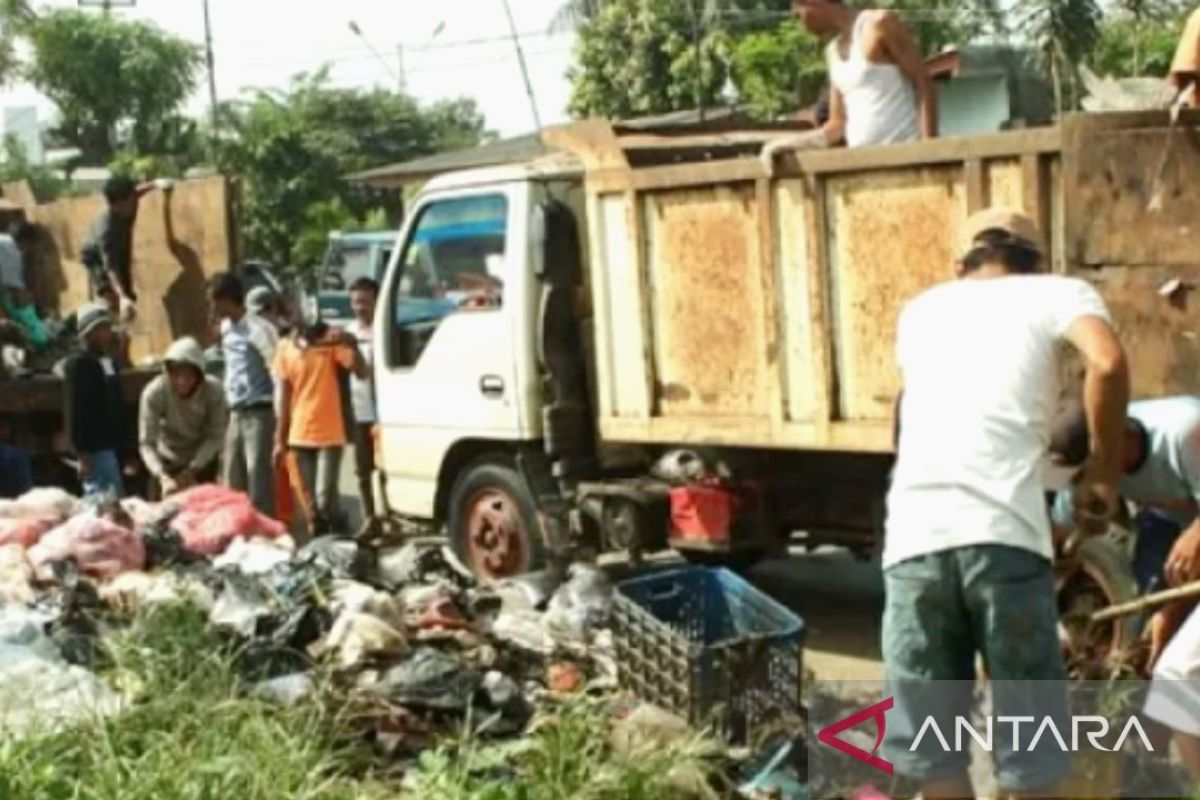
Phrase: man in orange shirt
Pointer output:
(312, 427)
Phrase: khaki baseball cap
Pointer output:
(1016, 224)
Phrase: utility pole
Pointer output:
(212, 72)
(512, 26)
(402, 76)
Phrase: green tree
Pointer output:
(639, 57)
(1064, 32)
(46, 183)
(1140, 38)
(117, 83)
(778, 71)
(293, 149)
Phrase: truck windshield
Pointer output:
(453, 259)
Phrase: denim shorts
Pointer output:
(941, 611)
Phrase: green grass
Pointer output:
(567, 755)
(192, 733)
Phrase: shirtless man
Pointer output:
(880, 92)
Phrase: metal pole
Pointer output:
(212, 71)
(402, 78)
(512, 26)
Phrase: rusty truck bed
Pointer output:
(741, 310)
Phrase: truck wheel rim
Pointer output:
(496, 536)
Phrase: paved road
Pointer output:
(841, 602)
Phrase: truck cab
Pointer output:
(349, 257)
(457, 366)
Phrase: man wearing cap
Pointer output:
(93, 406)
(182, 419)
(967, 554)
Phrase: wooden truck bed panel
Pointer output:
(737, 310)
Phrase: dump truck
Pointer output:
(567, 345)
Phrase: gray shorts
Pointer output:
(943, 609)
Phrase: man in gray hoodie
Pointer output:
(182, 421)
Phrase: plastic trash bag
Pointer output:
(582, 605)
(360, 598)
(23, 532)
(101, 548)
(16, 576)
(286, 690)
(428, 679)
(45, 503)
(136, 590)
(211, 517)
(75, 609)
(41, 694)
(357, 637)
(253, 557)
(415, 563)
(344, 559)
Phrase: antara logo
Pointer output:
(876, 712)
(1095, 730)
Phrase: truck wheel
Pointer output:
(493, 521)
(1100, 576)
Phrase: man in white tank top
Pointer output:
(880, 92)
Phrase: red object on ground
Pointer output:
(564, 678)
(25, 532)
(211, 517)
(702, 513)
(101, 548)
(285, 504)
(443, 614)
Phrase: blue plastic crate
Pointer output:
(708, 646)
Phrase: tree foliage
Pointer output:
(1140, 38)
(117, 83)
(293, 148)
(777, 71)
(638, 57)
(1063, 32)
(16, 166)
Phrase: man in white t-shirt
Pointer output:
(967, 558)
(363, 295)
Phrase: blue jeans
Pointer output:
(105, 475)
(941, 610)
(1155, 536)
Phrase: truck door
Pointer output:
(444, 334)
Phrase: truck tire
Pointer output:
(493, 522)
(1102, 575)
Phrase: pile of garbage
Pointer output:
(417, 651)
(406, 632)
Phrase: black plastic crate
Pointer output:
(708, 646)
